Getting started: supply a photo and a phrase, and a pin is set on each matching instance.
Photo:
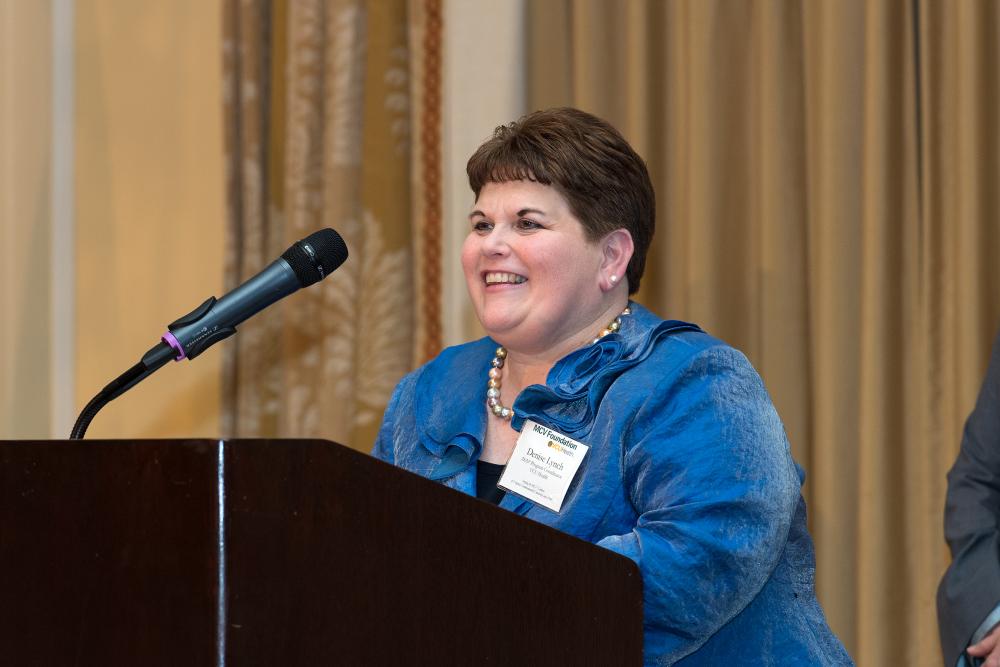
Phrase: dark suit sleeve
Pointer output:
(970, 589)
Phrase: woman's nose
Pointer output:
(495, 243)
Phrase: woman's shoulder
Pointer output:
(674, 343)
(460, 359)
(454, 365)
(681, 356)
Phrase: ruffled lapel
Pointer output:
(577, 383)
(451, 417)
(451, 422)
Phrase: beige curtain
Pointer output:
(827, 175)
(327, 119)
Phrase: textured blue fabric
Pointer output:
(689, 474)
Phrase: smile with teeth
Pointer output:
(500, 278)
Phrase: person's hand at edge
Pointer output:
(988, 648)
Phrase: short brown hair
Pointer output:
(587, 161)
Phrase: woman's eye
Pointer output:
(481, 226)
(526, 224)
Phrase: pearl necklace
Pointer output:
(493, 404)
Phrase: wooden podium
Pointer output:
(286, 552)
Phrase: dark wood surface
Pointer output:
(416, 568)
(107, 553)
(108, 556)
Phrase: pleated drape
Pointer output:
(827, 195)
(321, 108)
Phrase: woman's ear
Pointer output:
(617, 247)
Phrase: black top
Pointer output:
(487, 476)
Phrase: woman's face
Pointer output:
(531, 272)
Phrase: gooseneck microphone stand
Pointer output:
(150, 363)
(305, 262)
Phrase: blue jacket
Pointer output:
(689, 474)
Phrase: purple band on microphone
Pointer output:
(169, 339)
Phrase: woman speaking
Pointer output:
(647, 437)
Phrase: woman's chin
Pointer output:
(499, 315)
(497, 329)
(501, 328)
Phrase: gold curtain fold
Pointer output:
(827, 182)
(319, 114)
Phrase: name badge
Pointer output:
(542, 466)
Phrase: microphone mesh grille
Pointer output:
(316, 256)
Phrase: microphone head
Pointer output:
(316, 256)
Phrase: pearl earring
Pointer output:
(614, 278)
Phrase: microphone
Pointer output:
(306, 262)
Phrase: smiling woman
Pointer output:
(684, 466)
(537, 282)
